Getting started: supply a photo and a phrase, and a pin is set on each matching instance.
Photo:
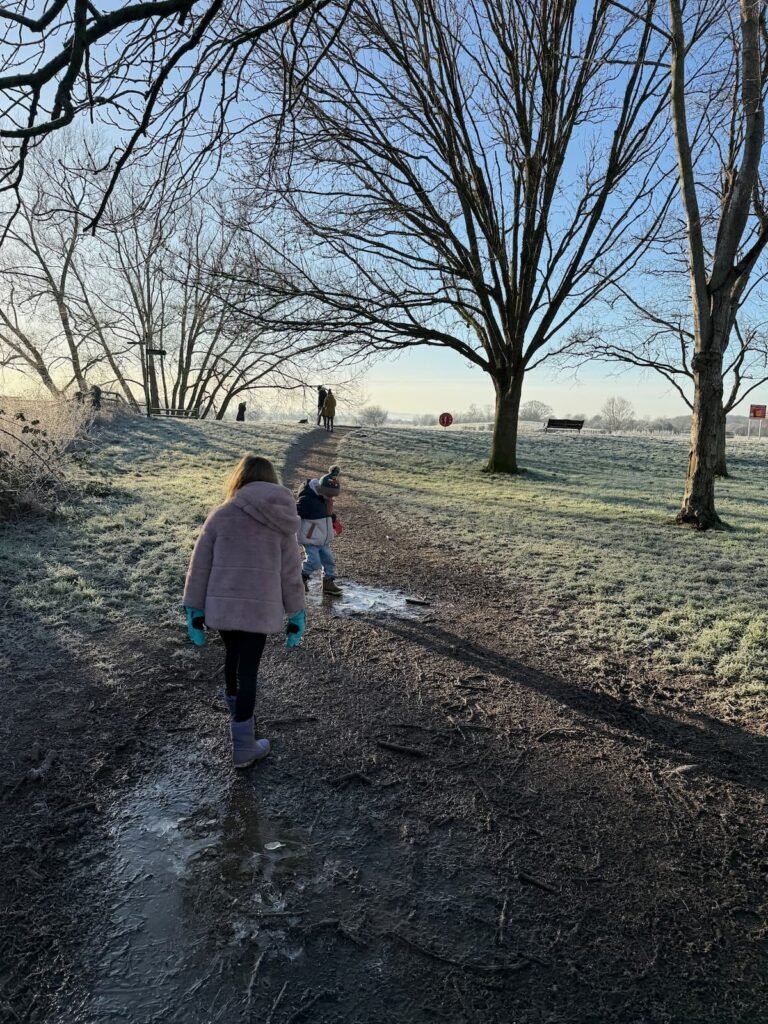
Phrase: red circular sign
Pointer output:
(445, 419)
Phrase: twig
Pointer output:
(400, 749)
(531, 880)
(418, 601)
(414, 725)
(276, 1003)
(351, 777)
(254, 972)
(464, 964)
(482, 790)
(325, 993)
(281, 913)
(502, 922)
(327, 922)
(290, 721)
(558, 733)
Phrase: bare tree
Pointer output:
(535, 411)
(722, 197)
(617, 414)
(372, 416)
(658, 337)
(472, 174)
(152, 69)
(40, 298)
(177, 300)
(149, 305)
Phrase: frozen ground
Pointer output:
(474, 808)
(588, 526)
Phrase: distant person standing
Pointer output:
(329, 410)
(241, 413)
(322, 394)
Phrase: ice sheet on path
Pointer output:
(358, 599)
(192, 890)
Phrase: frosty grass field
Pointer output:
(120, 549)
(589, 523)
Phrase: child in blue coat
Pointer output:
(318, 527)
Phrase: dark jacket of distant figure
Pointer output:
(322, 394)
(241, 413)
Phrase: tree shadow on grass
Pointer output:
(721, 750)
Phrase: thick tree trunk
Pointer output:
(74, 355)
(224, 406)
(154, 393)
(46, 379)
(721, 465)
(503, 457)
(698, 509)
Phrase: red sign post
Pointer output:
(445, 419)
(756, 412)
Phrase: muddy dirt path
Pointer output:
(457, 823)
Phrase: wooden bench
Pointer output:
(564, 425)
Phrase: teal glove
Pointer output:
(195, 624)
(295, 629)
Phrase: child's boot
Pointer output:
(245, 747)
(331, 587)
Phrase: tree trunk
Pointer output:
(46, 379)
(154, 393)
(74, 355)
(503, 458)
(721, 465)
(698, 508)
(224, 405)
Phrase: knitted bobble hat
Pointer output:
(329, 484)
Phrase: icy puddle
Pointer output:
(361, 600)
(192, 897)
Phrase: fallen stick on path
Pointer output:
(531, 880)
(400, 749)
(351, 777)
(254, 972)
(467, 965)
(276, 1003)
(290, 721)
(325, 993)
(482, 790)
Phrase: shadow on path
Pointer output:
(721, 750)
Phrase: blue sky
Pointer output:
(430, 380)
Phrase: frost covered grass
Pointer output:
(589, 525)
(36, 435)
(121, 549)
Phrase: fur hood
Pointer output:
(269, 504)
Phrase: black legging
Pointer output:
(241, 668)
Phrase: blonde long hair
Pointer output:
(248, 470)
